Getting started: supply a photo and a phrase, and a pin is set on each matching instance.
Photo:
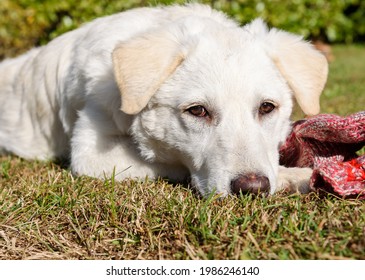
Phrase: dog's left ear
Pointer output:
(141, 65)
(304, 68)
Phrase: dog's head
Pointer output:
(217, 99)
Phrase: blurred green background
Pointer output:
(26, 23)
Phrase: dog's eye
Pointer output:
(198, 111)
(266, 108)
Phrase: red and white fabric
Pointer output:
(329, 144)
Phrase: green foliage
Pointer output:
(25, 23)
(335, 21)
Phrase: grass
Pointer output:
(46, 213)
(345, 91)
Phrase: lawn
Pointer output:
(46, 213)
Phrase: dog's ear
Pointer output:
(304, 68)
(141, 65)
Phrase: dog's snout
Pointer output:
(250, 183)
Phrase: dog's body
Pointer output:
(175, 92)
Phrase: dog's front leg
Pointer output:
(294, 179)
(99, 149)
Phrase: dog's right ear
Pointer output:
(141, 65)
(304, 68)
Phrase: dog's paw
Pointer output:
(294, 179)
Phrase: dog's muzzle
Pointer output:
(250, 183)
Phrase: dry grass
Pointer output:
(45, 213)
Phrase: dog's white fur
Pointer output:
(114, 96)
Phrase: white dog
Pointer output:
(172, 91)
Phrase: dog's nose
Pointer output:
(250, 183)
